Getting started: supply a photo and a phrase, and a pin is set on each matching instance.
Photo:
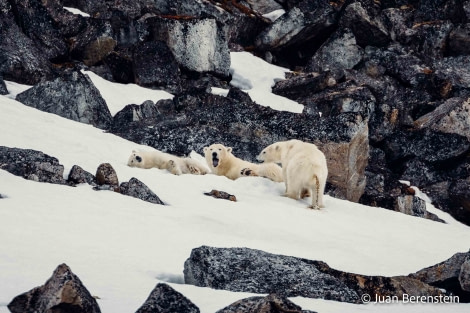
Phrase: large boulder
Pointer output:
(137, 189)
(270, 304)
(248, 270)
(164, 299)
(63, 292)
(73, 96)
(32, 165)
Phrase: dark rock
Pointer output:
(154, 65)
(456, 71)
(198, 44)
(430, 40)
(3, 87)
(432, 10)
(459, 40)
(464, 277)
(63, 292)
(146, 112)
(32, 165)
(247, 270)
(300, 31)
(340, 52)
(447, 275)
(270, 304)
(72, 96)
(300, 86)
(137, 189)
(164, 299)
(367, 29)
(459, 196)
(106, 176)
(78, 175)
(106, 9)
(120, 66)
(399, 23)
(221, 195)
(265, 6)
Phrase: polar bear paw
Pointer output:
(248, 172)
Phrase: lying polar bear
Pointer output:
(162, 160)
(304, 169)
(222, 162)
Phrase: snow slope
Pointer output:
(121, 247)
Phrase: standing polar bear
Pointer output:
(222, 162)
(162, 160)
(303, 167)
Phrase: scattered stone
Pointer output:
(412, 205)
(164, 299)
(464, 277)
(3, 86)
(78, 175)
(221, 195)
(32, 165)
(106, 176)
(270, 304)
(63, 292)
(137, 189)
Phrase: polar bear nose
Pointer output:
(214, 154)
(138, 158)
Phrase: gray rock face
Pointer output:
(3, 87)
(137, 189)
(198, 44)
(78, 175)
(415, 206)
(106, 176)
(270, 304)
(164, 299)
(464, 277)
(32, 165)
(248, 270)
(63, 292)
(73, 96)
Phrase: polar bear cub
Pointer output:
(222, 162)
(304, 168)
(162, 160)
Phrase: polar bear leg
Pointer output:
(173, 167)
(248, 172)
(315, 193)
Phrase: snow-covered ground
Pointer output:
(121, 247)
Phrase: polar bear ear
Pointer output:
(205, 149)
(229, 149)
(277, 147)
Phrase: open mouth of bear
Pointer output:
(215, 161)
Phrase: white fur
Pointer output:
(233, 167)
(304, 168)
(162, 160)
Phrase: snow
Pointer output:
(77, 11)
(274, 15)
(121, 247)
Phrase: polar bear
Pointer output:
(162, 160)
(222, 162)
(304, 169)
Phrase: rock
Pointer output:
(72, 96)
(431, 10)
(198, 44)
(430, 40)
(265, 6)
(306, 23)
(368, 30)
(137, 189)
(453, 116)
(3, 87)
(32, 165)
(106, 176)
(340, 52)
(164, 299)
(456, 72)
(121, 67)
(146, 112)
(412, 205)
(459, 196)
(459, 40)
(155, 66)
(464, 277)
(63, 292)
(78, 175)
(248, 270)
(98, 49)
(300, 86)
(447, 275)
(221, 195)
(270, 304)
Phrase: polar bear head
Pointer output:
(272, 153)
(135, 160)
(216, 153)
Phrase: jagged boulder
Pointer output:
(63, 292)
(32, 165)
(3, 86)
(137, 189)
(248, 270)
(164, 299)
(107, 178)
(78, 175)
(73, 96)
(415, 206)
(270, 304)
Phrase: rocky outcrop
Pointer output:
(72, 96)
(247, 270)
(107, 178)
(78, 175)
(137, 189)
(63, 292)
(32, 165)
(165, 299)
(270, 304)
(415, 206)
(451, 275)
(3, 87)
